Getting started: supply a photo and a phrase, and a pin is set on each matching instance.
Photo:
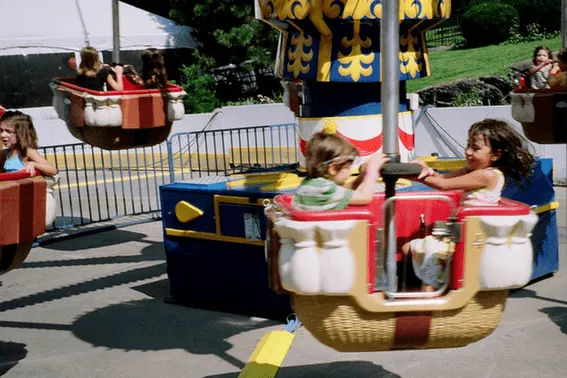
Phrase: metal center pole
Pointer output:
(389, 50)
(563, 23)
(116, 31)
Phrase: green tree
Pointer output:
(228, 34)
(227, 31)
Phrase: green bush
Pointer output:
(486, 24)
(467, 99)
(545, 13)
(200, 88)
(533, 33)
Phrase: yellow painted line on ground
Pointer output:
(117, 179)
(268, 356)
(213, 160)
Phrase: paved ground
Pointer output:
(93, 307)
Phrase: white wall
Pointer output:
(442, 130)
(52, 131)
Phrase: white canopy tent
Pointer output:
(51, 26)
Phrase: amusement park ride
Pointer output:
(345, 64)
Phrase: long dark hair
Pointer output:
(25, 131)
(515, 161)
(562, 55)
(154, 75)
(90, 62)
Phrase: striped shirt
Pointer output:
(321, 194)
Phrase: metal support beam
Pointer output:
(563, 23)
(389, 51)
(116, 30)
(390, 95)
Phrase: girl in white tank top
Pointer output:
(485, 196)
(495, 153)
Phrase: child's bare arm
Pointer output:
(427, 171)
(477, 179)
(363, 194)
(358, 180)
(533, 69)
(406, 248)
(117, 84)
(36, 161)
(457, 173)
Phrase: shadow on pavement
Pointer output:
(99, 283)
(358, 369)
(150, 325)
(98, 240)
(147, 325)
(153, 252)
(158, 289)
(558, 315)
(527, 293)
(10, 354)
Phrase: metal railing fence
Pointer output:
(447, 33)
(232, 151)
(98, 185)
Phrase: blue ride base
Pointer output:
(217, 260)
(228, 272)
(545, 239)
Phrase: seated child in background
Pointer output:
(328, 161)
(154, 75)
(557, 75)
(20, 140)
(540, 70)
(92, 74)
(495, 153)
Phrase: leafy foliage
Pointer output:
(200, 88)
(490, 23)
(467, 99)
(533, 32)
(227, 31)
(545, 13)
(230, 37)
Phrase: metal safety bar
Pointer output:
(388, 252)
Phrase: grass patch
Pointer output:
(450, 65)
